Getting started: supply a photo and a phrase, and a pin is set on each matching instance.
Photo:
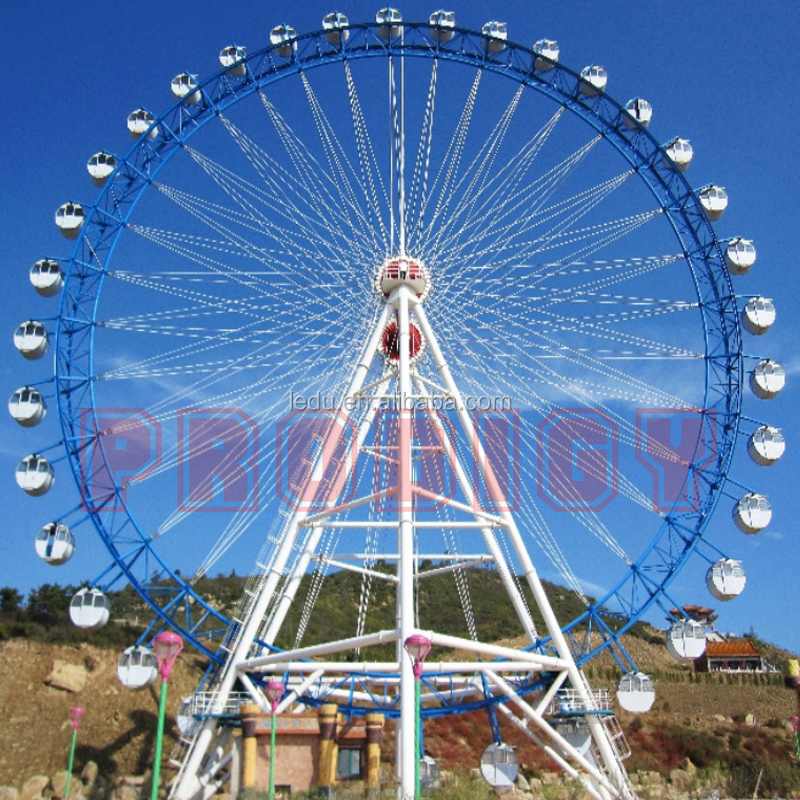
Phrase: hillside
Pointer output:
(737, 721)
(118, 728)
(708, 721)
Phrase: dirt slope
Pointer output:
(119, 725)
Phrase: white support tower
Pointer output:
(401, 333)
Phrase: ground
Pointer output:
(119, 725)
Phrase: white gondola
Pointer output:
(283, 37)
(55, 544)
(725, 579)
(679, 153)
(636, 692)
(686, 640)
(100, 167)
(766, 445)
(430, 777)
(137, 667)
(231, 58)
(576, 731)
(714, 200)
(140, 122)
(70, 219)
(31, 339)
(639, 110)
(335, 26)
(499, 765)
(187, 722)
(442, 24)
(752, 513)
(758, 315)
(547, 53)
(496, 34)
(740, 255)
(184, 87)
(27, 406)
(767, 379)
(35, 475)
(89, 609)
(46, 277)
(389, 23)
(594, 79)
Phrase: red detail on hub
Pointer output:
(390, 343)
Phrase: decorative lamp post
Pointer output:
(418, 647)
(167, 646)
(76, 714)
(274, 690)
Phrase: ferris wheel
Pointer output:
(402, 299)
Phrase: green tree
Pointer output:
(48, 605)
(10, 600)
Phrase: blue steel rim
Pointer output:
(648, 579)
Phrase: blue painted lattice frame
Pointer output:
(173, 601)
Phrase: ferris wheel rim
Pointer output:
(639, 146)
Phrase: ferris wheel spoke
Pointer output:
(371, 180)
(261, 205)
(219, 271)
(306, 195)
(318, 292)
(505, 186)
(241, 523)
(522, 285)
(480, 172)
(518, 244)
(297, 375)
(418, 192)
(605, 340)
(524, 365)
(508, 199)
(244, 233)
(574, 377)
(547, 407)
(450, 163)
(502, 253)
(501, 195)
(600, 342)
(357, 221)
(187, 363)
(469, 187)
(313, 185)
(520, 281)
(219, 301)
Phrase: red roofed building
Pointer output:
(733, 655)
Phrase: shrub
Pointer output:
(772, 779)
(462, 786)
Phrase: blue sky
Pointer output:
(717, 74)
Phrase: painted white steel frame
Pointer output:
(604, 776)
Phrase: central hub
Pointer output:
(402, 271)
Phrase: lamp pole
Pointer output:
(75, 714)
(167, 645)
(274, 691)
(418, 647)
